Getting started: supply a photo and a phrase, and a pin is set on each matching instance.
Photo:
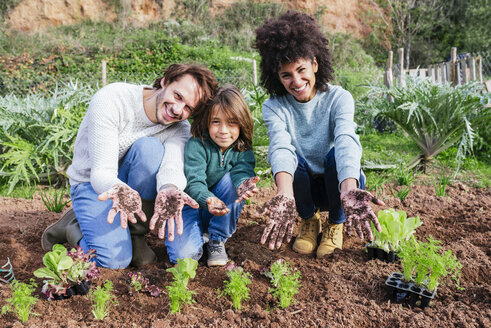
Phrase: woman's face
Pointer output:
(298, 78)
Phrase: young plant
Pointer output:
(425, 264)
(405, 176)
(285, 281)
(376, 182)
(22, 300)
(53, 199)
(441, 185)
(178, 290)
(396, 228)
(236, 286)
(57, 263)
(102, 300)
(401, 193)
(139, 283)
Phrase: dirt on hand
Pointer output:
(344, 290)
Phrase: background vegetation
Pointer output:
(47, 79)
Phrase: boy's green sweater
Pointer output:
(205, 165)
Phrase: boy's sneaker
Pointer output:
(217, 256)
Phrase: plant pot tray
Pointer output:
(402, 291)
(379, 253)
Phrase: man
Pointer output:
(128, 160)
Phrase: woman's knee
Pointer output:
(113, 258)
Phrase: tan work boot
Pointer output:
(66, 229)
(306, 241)
(332, 238)
(142, 253)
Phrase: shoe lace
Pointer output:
(332, 232)
(308, 227)
(215, 248)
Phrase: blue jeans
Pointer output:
(319, 192)
(197, 221)
(138, 169)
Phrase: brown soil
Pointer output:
(345, 290)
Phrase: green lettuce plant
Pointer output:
(22, 300)
(57, 263)
(396, 228)
(236, 287)
(285, 281)
(426, 264)
(102, 300)
(178, 290)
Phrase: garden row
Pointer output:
(72, 272)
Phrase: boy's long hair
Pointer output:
(291, 37)
(204, 77)
(228, 99)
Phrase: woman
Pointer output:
(314, 152)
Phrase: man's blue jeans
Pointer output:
(320, 192)
(138, 169)
(197, 221)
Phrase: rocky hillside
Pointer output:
(349, 16)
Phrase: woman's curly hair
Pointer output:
(291, 37)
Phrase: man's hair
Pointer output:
(230, 101)
(291, 37)
(203, 76)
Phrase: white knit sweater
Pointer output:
(114, 121)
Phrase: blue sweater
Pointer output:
(310, 130)
(205, 165)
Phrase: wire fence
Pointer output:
(28, 83)
(486, 63)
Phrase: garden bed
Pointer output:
(344, 290)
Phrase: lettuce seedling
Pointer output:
(396, 227)
(285, 281)
(102, 300)
(83, 268)
(22, 300)
(178, 290)
(425, 264)
(236, 286)
(139, 283)
(57, 263)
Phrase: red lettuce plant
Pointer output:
(140, 283)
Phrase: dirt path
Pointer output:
(344, 290)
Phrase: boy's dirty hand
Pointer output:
(282, 215)
(168, 209)
(247, 189)
(216, 206)
(126, 201)
(356, 206)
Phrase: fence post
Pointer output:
(453, 66)
(463, 66)
(479, 70)
(472, 64)
(388, 72)
(104, 81)
(401, 65)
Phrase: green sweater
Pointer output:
(205, 165)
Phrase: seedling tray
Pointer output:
(401, 291)
(379, 253)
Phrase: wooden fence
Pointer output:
(456, 71)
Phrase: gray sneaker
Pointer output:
(217, 255)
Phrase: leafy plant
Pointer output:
(53, 199)
(435, 116)
(82, 268)
(285, 281)
(139, 283)
(396, 228)
(236, 287)
(178, 290)
(425, 264)
(102, 300)
(401, 193)
(22, 300)
(57, 263)
(404, 175)
(441, 185)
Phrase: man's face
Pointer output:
(176, 101)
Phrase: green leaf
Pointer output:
(46, 273)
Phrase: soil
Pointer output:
(344, 290)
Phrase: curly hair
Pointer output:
(291, 37)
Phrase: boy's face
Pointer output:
(177, 100)
(298, 78)
(224, 131)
